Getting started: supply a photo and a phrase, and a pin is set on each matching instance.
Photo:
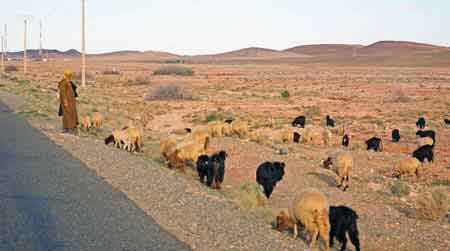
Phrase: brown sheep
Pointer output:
(85, 122)
(409, 165)
(425, 141)
(342, 165)
(97, 120)
(310, 209)
(121, 139)
(240, 128)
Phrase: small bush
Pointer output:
(313, 111)
(113, 71)
(285, 94)
(140, 80)
(10, 68)
(169, 92)
(248, 195)
(433, 205)
(441, 182)
(174, 70)
(400, 188)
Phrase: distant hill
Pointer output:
(254, 52)
(34, 53)
(130, 55)
(325, 49)
(395, 48)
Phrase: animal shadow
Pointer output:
(325, 178)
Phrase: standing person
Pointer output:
(67, 108)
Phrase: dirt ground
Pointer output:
(367, 101)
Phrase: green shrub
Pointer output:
(285, 94)
(174, 70)
(441, 182)
(400, 188)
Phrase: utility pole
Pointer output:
(3, 55)
(40, 39)
(5, 42)
(83, 45)
(25, 47)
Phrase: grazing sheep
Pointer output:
(85, 122)
(425, 141)
(329, 121)
(343, 221)
(375, 144)
(174, 160)
(316, 136)
(421, 123)
(135, 136)
(428, 133)
(447, 121)
(240, 128)
(286, 135)
(342, 165)
(297, 137)
(215, 128)
(407, 166)
(97, 120)
(395, 135)
(327, 137)
(299, 122)
(202, 167)
(120, 140)
(424, 152)
(167, 146)
(345, 140)
(216, 170)
(310, 209)
(268, 174)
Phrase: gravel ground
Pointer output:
(186, 209)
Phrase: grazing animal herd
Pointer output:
(310, 207)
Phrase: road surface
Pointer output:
(50, 201)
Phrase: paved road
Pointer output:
(50, 201)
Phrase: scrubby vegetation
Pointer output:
(169, 92)
(174, 70)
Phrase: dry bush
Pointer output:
(433, 205)
(169, 92)
(398, 97)
(10, 68)
(141, 80)
(113, 71)
(248, 195)
(174, 70)
(400, 188)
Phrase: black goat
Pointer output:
(297, 137)
(216, 170)
(375, 144)
(395, 135)
(424, 152)
(299, 122)
(330, 121)
(188, 130)
(428, 133)
(268, 174)
(345, 140)
(421, 123)
(447, 121)
(202, 167)
(343, 220)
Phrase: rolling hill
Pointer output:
(325, 49)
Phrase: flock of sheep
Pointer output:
(310, 207)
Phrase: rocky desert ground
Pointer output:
(366, 99)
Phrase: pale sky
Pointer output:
(211, 26)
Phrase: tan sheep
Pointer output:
(310, 209)
(136, 138)
(240, 128)
(341, 164)
(425, 141)
(200, 136)
(97, 120)
(216, 128)
(227, 130)
(189, 151)
(85, 122)
(409, 166)
(327, 137)
(167, 146)
(312, 136)
(121, 140)
(287, 135)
